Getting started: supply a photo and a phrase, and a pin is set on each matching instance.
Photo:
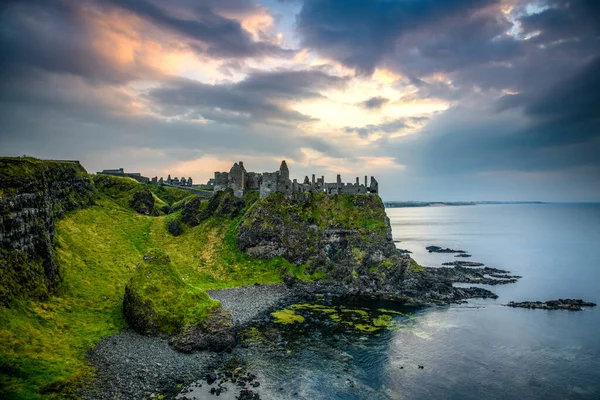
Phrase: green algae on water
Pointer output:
(287, 316)
(364, 320)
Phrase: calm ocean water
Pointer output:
(479, 350)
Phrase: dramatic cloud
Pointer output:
(216, 35)
(374, 103)
(441, 100)
(259, 97)
(362, 34)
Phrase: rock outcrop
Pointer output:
(143, 202)
(347, 238)
(560, 304)
(223, 204)
(158, 302)
(33, 193)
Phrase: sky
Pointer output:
(438, 99)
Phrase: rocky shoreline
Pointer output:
(130, 365)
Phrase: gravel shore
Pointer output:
(249, 302)
(132, 366)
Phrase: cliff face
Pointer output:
(345, 237)
(33, 193)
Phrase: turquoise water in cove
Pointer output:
(479, 350)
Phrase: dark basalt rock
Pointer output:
(211, 378)
(33, 194)
(222, 204)
(463, 255)
(174, 227)
(215, 333)
(190, 214)
(464, 264)
(505, 276)
(560, 304)
(143, 202)
(473, 275)
(247, 394)
(438, 249)
(317, 231)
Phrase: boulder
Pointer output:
(158, 302)
(143, 202)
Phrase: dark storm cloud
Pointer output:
(549, 130)
(374, 103)
(394, 126)
(82, 123)
(259, 97)
(218, 36)
(563, 20)
(59, 36)
(567, 112)
(361, 33)
(52, 36)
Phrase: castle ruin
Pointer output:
(239, 180)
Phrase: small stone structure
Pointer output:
(120, 172)
(239, 180)
(173, 181)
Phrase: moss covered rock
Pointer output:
(222, 204)
(345, 237)
(174, 227)
(130, 194)
(143, 202)
(158, 302)
(191, 213)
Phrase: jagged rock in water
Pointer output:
(438, 249)
(464, 264)
(560, 304)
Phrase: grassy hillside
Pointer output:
(43, 344)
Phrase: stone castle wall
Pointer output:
(239, 180)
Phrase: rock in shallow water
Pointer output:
(464, 264)
(438, 249)
(560, 304)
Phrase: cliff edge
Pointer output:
(33, 193)
(344, 238)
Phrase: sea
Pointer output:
(477, 350)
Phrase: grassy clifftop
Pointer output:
(20, 173)
(97, 248)
(43, 344)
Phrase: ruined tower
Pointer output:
(239, 180)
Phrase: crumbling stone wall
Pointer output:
(239, 180)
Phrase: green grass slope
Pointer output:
(43, 344)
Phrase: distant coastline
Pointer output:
(405, 204)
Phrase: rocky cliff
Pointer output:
(33, 193)
(346, 238)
